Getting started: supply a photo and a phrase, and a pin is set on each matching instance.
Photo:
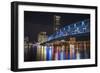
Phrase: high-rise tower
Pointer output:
(56, 22)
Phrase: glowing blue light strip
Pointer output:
(72, 29)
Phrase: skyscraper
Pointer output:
(56, 22)
(42, 37)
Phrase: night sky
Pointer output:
(35, 22)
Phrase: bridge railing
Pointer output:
(72, 29)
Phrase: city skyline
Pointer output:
(56, 36)
(44, 22)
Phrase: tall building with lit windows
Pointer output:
(42, 37)
(56, 22)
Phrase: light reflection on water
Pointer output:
(48, 53)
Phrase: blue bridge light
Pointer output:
(72, 29)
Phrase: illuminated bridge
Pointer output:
(80, 28)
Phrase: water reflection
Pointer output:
(69, 51)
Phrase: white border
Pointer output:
(22, 64)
